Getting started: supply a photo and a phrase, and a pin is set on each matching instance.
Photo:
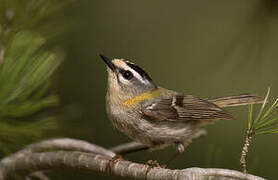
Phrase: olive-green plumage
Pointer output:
(156, 116)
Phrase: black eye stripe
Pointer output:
(140, 71)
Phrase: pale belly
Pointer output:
(152, 132)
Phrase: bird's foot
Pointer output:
(112, 162)
(154, 163)
(151, 164)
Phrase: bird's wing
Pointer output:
(184, 108)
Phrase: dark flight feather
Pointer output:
(237, 100)
(185, 108)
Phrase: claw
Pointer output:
(112, 162)
(153, 163)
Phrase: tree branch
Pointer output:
(66, 144)
(128, 148)
(70, 145)
(38, 175)
(34, 159)
(88, 161)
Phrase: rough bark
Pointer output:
(29, 161)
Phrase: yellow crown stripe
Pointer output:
(145, 96)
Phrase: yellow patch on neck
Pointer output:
(145, 96)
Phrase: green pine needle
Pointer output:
(27, 65)
(250, 115)
(266, 122)
(25, 78)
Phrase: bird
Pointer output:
(158, 117)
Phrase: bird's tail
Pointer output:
(237, 100)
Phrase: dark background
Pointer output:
(205, 48)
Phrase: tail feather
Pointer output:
(237, 100)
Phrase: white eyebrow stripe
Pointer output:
(137, 75)
(122, 64)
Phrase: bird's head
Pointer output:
(126, 78)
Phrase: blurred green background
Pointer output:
(205, 48)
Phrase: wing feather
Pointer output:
(184, 108)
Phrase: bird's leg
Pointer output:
(180, 149)
(181, 146)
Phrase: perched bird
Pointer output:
(158, 117)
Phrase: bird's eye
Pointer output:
(127, 75)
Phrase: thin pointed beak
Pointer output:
(108, 62)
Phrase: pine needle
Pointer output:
(266, 122)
